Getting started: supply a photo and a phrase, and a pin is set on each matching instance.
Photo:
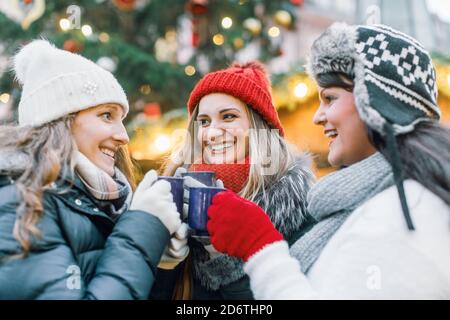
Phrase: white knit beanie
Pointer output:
(57, 82)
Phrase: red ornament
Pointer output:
(197, 7)
(27, 2)
(152, 110)
(195, 33)
(72, 46)
(125, 5)
(297, 2)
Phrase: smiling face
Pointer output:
(337, 113)
(224, 125)
(98, 133)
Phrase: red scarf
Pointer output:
(233, 175)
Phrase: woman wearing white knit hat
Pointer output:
(69, 227)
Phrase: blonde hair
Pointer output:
(258, 179)
(278, 151)
(48, 149)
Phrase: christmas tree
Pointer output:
(157, 49)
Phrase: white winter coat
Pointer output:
(372, 256)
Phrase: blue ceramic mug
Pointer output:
(199, 201)
(176, 187)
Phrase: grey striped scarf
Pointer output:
(334, 198)
(111, 193)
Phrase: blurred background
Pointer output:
(159, 49)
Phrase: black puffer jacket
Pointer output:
(83, 253)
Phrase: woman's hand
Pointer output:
(155, 198)
(177, 249)
(238, 227)
(188, 183)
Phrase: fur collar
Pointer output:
(285, 200)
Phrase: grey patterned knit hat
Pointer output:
(394, 78)
(394, 82)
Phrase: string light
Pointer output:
(64, 24)
(301, 90)
(171, 35)
(162, 143)
(103, 37)
(238, 43)
(86, 30)
(227, 22)
(145, 89)
(274, 32)
(189, 70)
(218, 39)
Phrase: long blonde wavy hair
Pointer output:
(276, 150)
(48, 148)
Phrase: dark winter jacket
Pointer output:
(223, 277)
(83, 253)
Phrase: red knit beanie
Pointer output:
(249, 83)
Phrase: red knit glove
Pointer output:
(238, 227)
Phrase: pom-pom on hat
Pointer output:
(247, 82)
(57, 82)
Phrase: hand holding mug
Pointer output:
(154, 197)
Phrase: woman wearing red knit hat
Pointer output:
(234, 130)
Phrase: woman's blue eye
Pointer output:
(203, 122)
(106, 115)
(229, 116)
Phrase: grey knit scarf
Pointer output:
(334, 198)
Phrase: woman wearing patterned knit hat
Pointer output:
(383, 220)
(68, 224)
(235, 132)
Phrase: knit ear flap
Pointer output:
(26, 54)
